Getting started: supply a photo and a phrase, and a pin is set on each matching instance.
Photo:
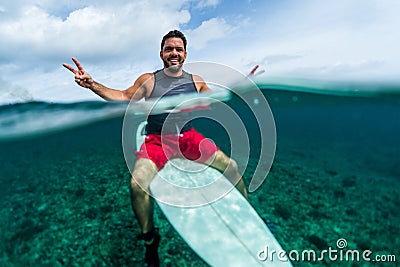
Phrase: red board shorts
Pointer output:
(190, 144)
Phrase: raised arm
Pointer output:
(202, 86)
(253, 72)
(82, 78)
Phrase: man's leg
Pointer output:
(229, 167)
(142, 202)
(143, 207)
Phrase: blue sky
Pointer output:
(118, 40)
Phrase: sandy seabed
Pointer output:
(74, 210)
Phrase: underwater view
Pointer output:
(335, 176)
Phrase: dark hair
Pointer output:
(172, 34)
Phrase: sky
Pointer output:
(118, 40)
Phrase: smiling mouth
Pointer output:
(174, 61)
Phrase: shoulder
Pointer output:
(200, 84)
(197, 78)
(142, 87)
(146, 80)
(143, 78)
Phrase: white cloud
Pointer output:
(207, 3)
(91, 31)
(342, 39)
(36, 42)
(213, 29)
(118, 40)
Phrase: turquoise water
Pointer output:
(64, 182)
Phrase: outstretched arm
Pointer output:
(85, 80)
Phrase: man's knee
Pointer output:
(224, 163)
(142, 175)
(137, 186)
(232, 166)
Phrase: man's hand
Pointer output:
(81, 76)
(253, 72)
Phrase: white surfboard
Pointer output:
(212, 216)
(178, 103)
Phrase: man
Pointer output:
(151, 157)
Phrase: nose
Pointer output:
(174, 51)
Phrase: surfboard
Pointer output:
(212, 216)
(179, 103)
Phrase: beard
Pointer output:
(173, 68)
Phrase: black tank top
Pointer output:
(165, 85)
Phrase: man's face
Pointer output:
(173, 54)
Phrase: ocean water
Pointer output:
(335, 177)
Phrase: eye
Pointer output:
(178, 49)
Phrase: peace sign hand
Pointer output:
(81, 76)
